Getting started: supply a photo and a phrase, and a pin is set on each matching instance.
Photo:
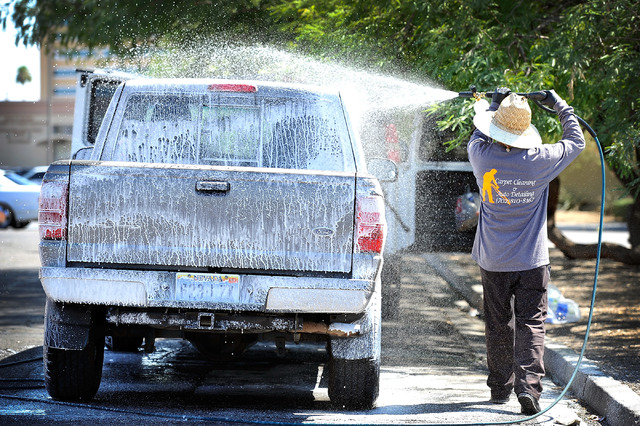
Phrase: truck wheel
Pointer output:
(354, 384)
(123, 343)
(74, 375)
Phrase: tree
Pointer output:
(23, 76)
(601, 55)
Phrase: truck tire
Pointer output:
(354, 384)
(74, 375)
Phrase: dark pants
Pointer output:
(515, 309)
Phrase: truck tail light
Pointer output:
(52, 214)
(371, 227)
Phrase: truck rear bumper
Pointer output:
(258, 293)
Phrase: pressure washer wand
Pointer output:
(536, 97)
(473, 93)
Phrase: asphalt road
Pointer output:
(433, 367)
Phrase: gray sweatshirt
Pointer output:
(512, 227)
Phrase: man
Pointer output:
(513, 169)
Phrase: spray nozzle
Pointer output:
(473, 93)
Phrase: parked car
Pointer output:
(18, 200)
(35, 174)
(221, 212)
(421, 194)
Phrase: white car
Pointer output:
(18, 200)
(36, 174)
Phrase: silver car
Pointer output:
(18, 200)
(35, 174)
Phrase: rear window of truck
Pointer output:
(288, 133)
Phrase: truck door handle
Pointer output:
(212, 186)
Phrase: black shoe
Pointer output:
(500, 396)
(499, 400)
(528, 403)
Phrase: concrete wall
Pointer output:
(37, 133)
(34, 133)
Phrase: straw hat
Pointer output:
(510, 124)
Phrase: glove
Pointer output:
(500, 94)
(551, 99)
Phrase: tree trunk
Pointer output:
(589, 251)
(633, 223)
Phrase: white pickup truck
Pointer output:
(217, 211)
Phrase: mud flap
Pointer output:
(367, 345)
(67, 326)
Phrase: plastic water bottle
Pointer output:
(560, 309)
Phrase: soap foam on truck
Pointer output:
(216, 211)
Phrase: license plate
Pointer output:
(221, 288)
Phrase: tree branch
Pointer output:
(589, 251)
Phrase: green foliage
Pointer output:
(454, 43)
(122, 25)
(23, 76)
(602, 59)
(342, 31)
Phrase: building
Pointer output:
(38, 133)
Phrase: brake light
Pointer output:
(52, 214)
(371, 226)
(233, 87)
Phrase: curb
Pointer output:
(608, 397)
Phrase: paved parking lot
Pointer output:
(433, 367)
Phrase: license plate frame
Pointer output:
(204, 287)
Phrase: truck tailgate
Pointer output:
(220, 218)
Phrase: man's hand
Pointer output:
(500, 94)
(551, 99)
